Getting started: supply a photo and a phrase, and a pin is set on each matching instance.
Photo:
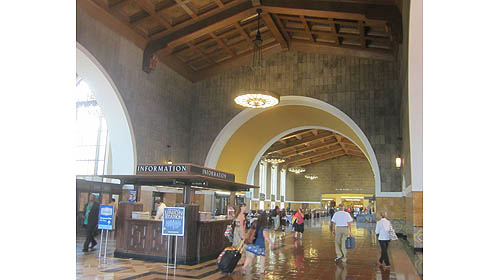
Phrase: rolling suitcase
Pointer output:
(228, 259)
(350, 243)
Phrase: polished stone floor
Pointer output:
(310, 258)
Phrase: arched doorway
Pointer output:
(243, 141)
(121, 134)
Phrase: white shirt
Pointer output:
(160, 210)
(341, 218)
(382, 229)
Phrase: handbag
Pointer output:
(350, 243)
(393, 234)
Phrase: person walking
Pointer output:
(383, 230)
(258, 247)
(239, 227)
(299, 223)
(90, 222)
(276, 217)
(341, 229)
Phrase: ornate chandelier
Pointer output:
(254, 98)
(257, 98)
(274, 159)
(297, 169)
(311, 177)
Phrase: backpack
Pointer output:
(229, 232)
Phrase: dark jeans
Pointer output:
(91, 232)
(384, 244)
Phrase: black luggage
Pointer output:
(228, 259)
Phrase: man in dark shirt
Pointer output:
(91, 211)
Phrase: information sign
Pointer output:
(105, 217)
(173, 221)
(132, 196)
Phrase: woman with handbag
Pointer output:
(385, 234)
(257, 247)
(299, 223)
(239, 226)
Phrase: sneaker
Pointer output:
(85, 250)
(337, 259)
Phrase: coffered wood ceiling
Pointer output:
(310, 146)
(201, 38)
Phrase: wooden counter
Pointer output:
(211, 240)
(142, 238)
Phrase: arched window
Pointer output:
(91, 133)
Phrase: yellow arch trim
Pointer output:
(241, 149)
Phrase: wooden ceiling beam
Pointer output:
(277, 34)
(307, 29)
(119, 5)
(219, 3)
(339, 140)
(243, 33)
(326, 134)
(332, 49)
(310, 148)
(222, 45)
(362, 33)
(212, 28)
(242, 59)
(151, 10)
(205, 16)
(313, 155)
(319, 159)
(333, 27)
(199, 52)
(186, 8)
(340, 10)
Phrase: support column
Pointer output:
(187, 195)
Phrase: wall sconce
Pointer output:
(398, 162)
(169, 160)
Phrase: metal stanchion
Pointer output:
(105, 245)
(175, 256)
(100, 245)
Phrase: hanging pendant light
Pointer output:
(274, 159)
(297, 169)
(257, 98)
(311, 177)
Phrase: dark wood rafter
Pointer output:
(314, 154)
(277, 34)
(307, 29)
(222, 45)
(319, 159)
(220, 34)
(151, 10)
(362, 34)
(185, 7)
(304, 141)
(219, 3)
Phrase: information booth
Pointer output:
(141, 238)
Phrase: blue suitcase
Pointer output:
(350, 243)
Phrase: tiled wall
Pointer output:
(366, 90)
(159, 103)
(406, 214)
(335, 176)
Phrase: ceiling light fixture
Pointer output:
(257, 98)
(274, 159)
(311, 177)
(297, 169)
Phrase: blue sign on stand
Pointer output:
(105, 217)
(173, 221)
(132, 196)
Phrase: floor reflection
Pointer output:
(309, 258)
